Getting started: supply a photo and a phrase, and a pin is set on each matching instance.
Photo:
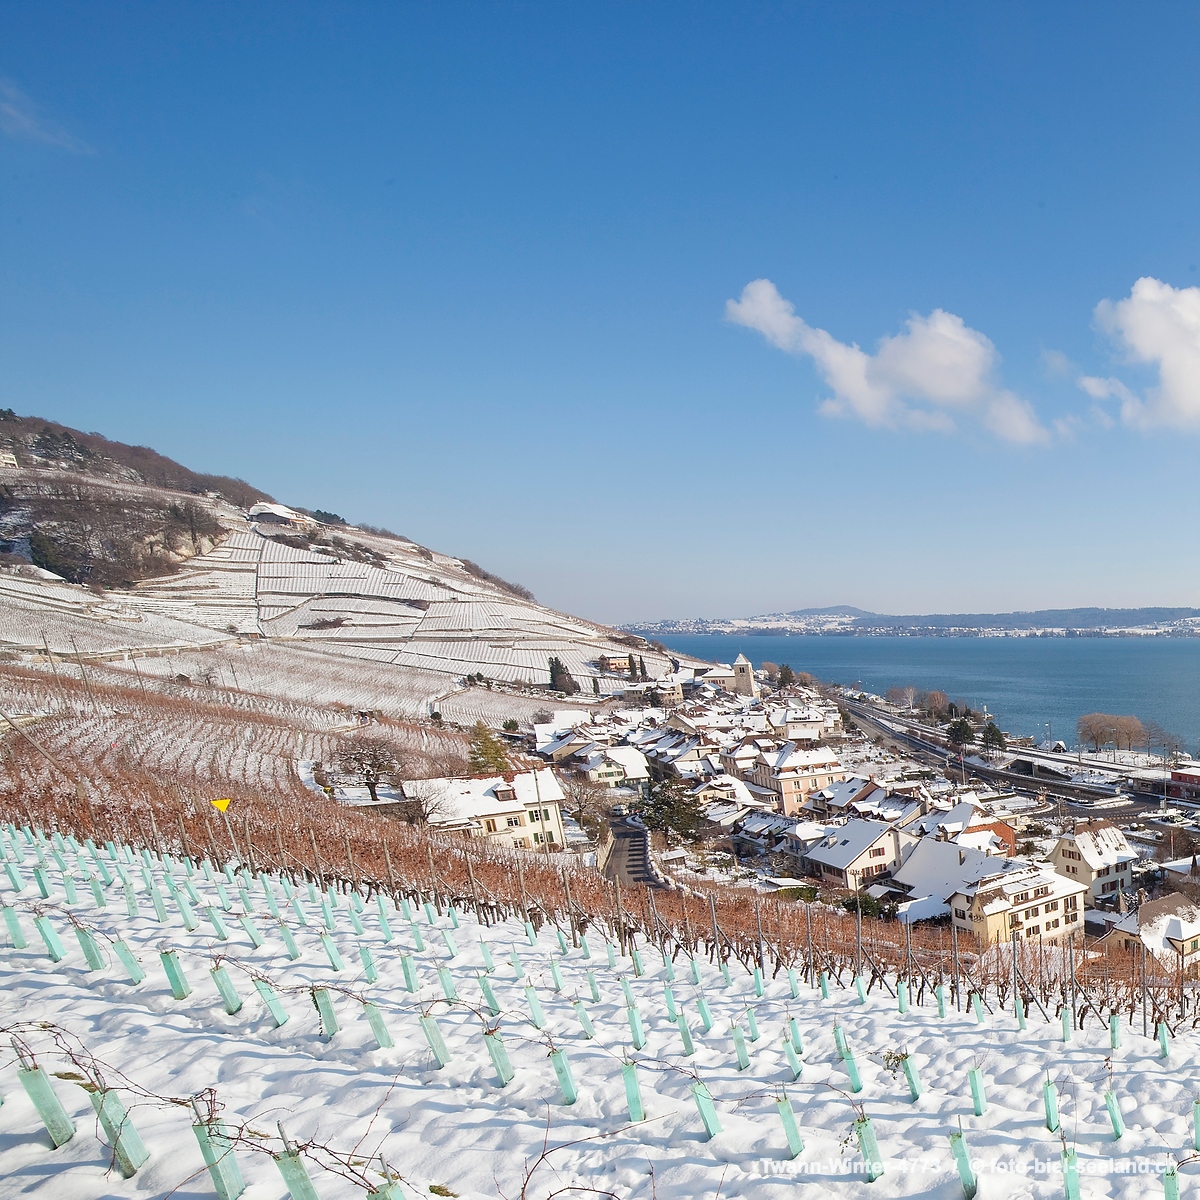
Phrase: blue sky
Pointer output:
(478, 272)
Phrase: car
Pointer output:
(619, 810)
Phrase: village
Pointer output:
(766, 780)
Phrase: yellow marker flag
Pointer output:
(222, 804)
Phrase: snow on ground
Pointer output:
(454, 1128)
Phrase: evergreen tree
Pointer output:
(561, 680)
(642, 668)
(786, 676)
(960, 733)
(670, 809)
(488, 756)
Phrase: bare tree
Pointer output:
(370, 760)
(587, 802)
(423, 803)
(770, 670)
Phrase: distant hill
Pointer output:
(846, 620)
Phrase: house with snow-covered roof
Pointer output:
(1034, 902)
(857, 851)
(1098, 856)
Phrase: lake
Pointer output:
(1032, 686)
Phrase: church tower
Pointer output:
(743, 677)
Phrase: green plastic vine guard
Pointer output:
(1019, 1009)
(1050, 1104)
(252, 931)
(383, 1039)
(1114, 1031)
(669, 997)
(370, 973)
(433, 1036)
(793, 1061)
(223, 1169)
(405, 909)
(1114, 1114)
(668, 968)
(1067, 1025)
(584, 948)
(219, 926)
(298, 910)
(126, 958)
(447, 982)
(939, 994)
(409, 967)
(839, 1040)
(794, 1034)
(13, 925)
(514, 960)
(752, 1025)
(793, 983)
(69, 888)
(556, 974)
(694, 967)
(90, 948)
(562, 1072)
(454, 916)
(535, 1007)
(489, 996)
(706, 1017)
(707, 1109)
(356, 901)
(739, 1048)
(725, 974)
(637, 1031)
(356, 924)
(593, 987)
(758, 981)
(295, 1176)
(1070, 1174)
(962, 1159)
(562, 941)
(911, 1077)
(1164, 1040)
(324, 1005)
(43, 882)
(585, 1021)
(901, 996)
(612, 955)
(868, 1147)
(160, 909)
(852, 1070)
(628, 992)
(1170, 1181)
(327, 914)
(823, 983)
(385, 926)
(978, 1092)
(499, 1056)
(131, 900)
(639, 968)
(331, 952)
(128, 1149)
(451, 945)
(685, 1035)
(180, 988)
(430, 914)
(1196, 1125)
(229, 996)
(38, 1088)
(50, 938)
(289, 942)
(485, 952)
(784, 1107)
(977, 1007)
(530, 933)
(633, 1091)
(418, 937)
(185, 911)
(14, 877)
(269, 997)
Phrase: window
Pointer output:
(513, 822)
(1031, 912)
(490, 825)
(1051, 906)
(1020, 898)
(534, 815)
(961, 913)
(545, 814)
(1071, 903)
(537, 837)
(1195, 944)
(1033, 931)
(879, 852)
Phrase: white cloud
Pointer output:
(1156, 325)
(21, 119)
(921, 379)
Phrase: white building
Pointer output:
(1033, 903)
(524, 811)
(1097, 856)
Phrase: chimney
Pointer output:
(962, 857)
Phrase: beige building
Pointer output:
(1099, 857)
(792, 773)
(1033, 902)
(854, 853)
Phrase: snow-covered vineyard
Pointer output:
(397, 633)
(406, 1048)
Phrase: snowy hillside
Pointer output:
(408, 622)
(297, 1030)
